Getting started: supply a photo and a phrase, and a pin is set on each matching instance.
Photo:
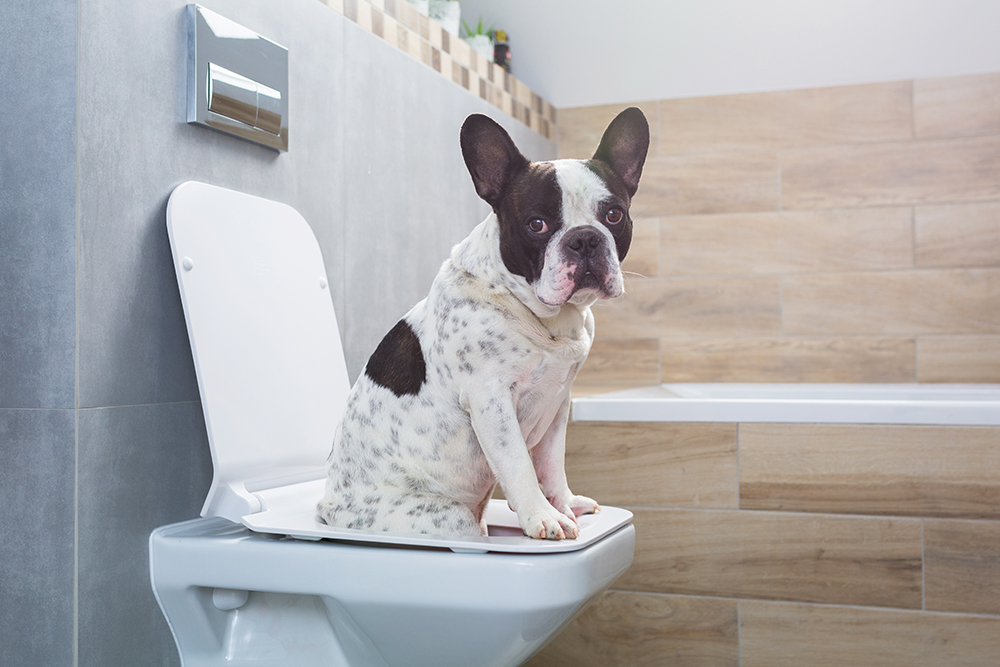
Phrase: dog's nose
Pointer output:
(584, 243)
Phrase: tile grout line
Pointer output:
(913, 267)
(923, 566)
(77, 223)
(739, 633)
(739, 501)
(778, 154)
(801, 603)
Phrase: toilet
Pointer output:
(258, 580)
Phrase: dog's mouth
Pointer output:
(580, 285)
(589, 281)
(580, 269)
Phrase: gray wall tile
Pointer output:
(37, 458)
(140, 467)
(38, 204)
(135, 147)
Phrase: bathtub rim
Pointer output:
(692, 402)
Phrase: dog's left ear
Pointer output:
(624, 145)
(491, 156)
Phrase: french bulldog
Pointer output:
(472, 386)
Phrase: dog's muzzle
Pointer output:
(586, 248)
(580, 267)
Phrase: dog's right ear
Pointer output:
(491, 156)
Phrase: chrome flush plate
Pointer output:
(237, 80)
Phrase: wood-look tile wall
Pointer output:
(793, 544)
(847, 234)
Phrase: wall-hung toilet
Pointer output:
(258, 580)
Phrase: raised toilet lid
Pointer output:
(272, 374)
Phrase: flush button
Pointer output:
(232, 95)
(268, 109)
(237, 80)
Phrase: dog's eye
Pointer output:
(537, 226)
(614, 215)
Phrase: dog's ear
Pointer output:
(491, 156)
(624, 145)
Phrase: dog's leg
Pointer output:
(549, 458)
(495, 423)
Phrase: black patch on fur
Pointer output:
(622, 232)
(398, 362)
(533, 193)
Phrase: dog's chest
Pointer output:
(538, 392)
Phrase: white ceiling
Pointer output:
(585, 52)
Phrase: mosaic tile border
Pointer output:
(401, 25)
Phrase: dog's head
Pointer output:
(564, 225)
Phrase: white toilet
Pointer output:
(258, 580)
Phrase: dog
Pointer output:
(472, 386)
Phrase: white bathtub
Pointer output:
(944, 404)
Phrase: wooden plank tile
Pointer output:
(962, 566)
(661, 464)
(787, 242)
(792, 635)
(622, 361)
(777, 556)
(957, 105)
(958, 359)
(729, 306)
(643, 258)
(690, 184)
(933, 301)
(917, 172)
(581, 128)
(951, 471)
(958, 235)
(820, 116)
(852, 359)
(643, 630)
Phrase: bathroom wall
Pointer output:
(838, 234)
(102, 436)
(847, 234)
(772, 545)
(37, 332)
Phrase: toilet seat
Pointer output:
(294, 515)
(272, 375)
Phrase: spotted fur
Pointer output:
(472, 386)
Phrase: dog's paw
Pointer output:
(573, 506)
(583, 505)
(549, 524)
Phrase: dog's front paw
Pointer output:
(573, 506)
(583, 505)
(549, 524)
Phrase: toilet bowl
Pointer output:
(258, 579)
